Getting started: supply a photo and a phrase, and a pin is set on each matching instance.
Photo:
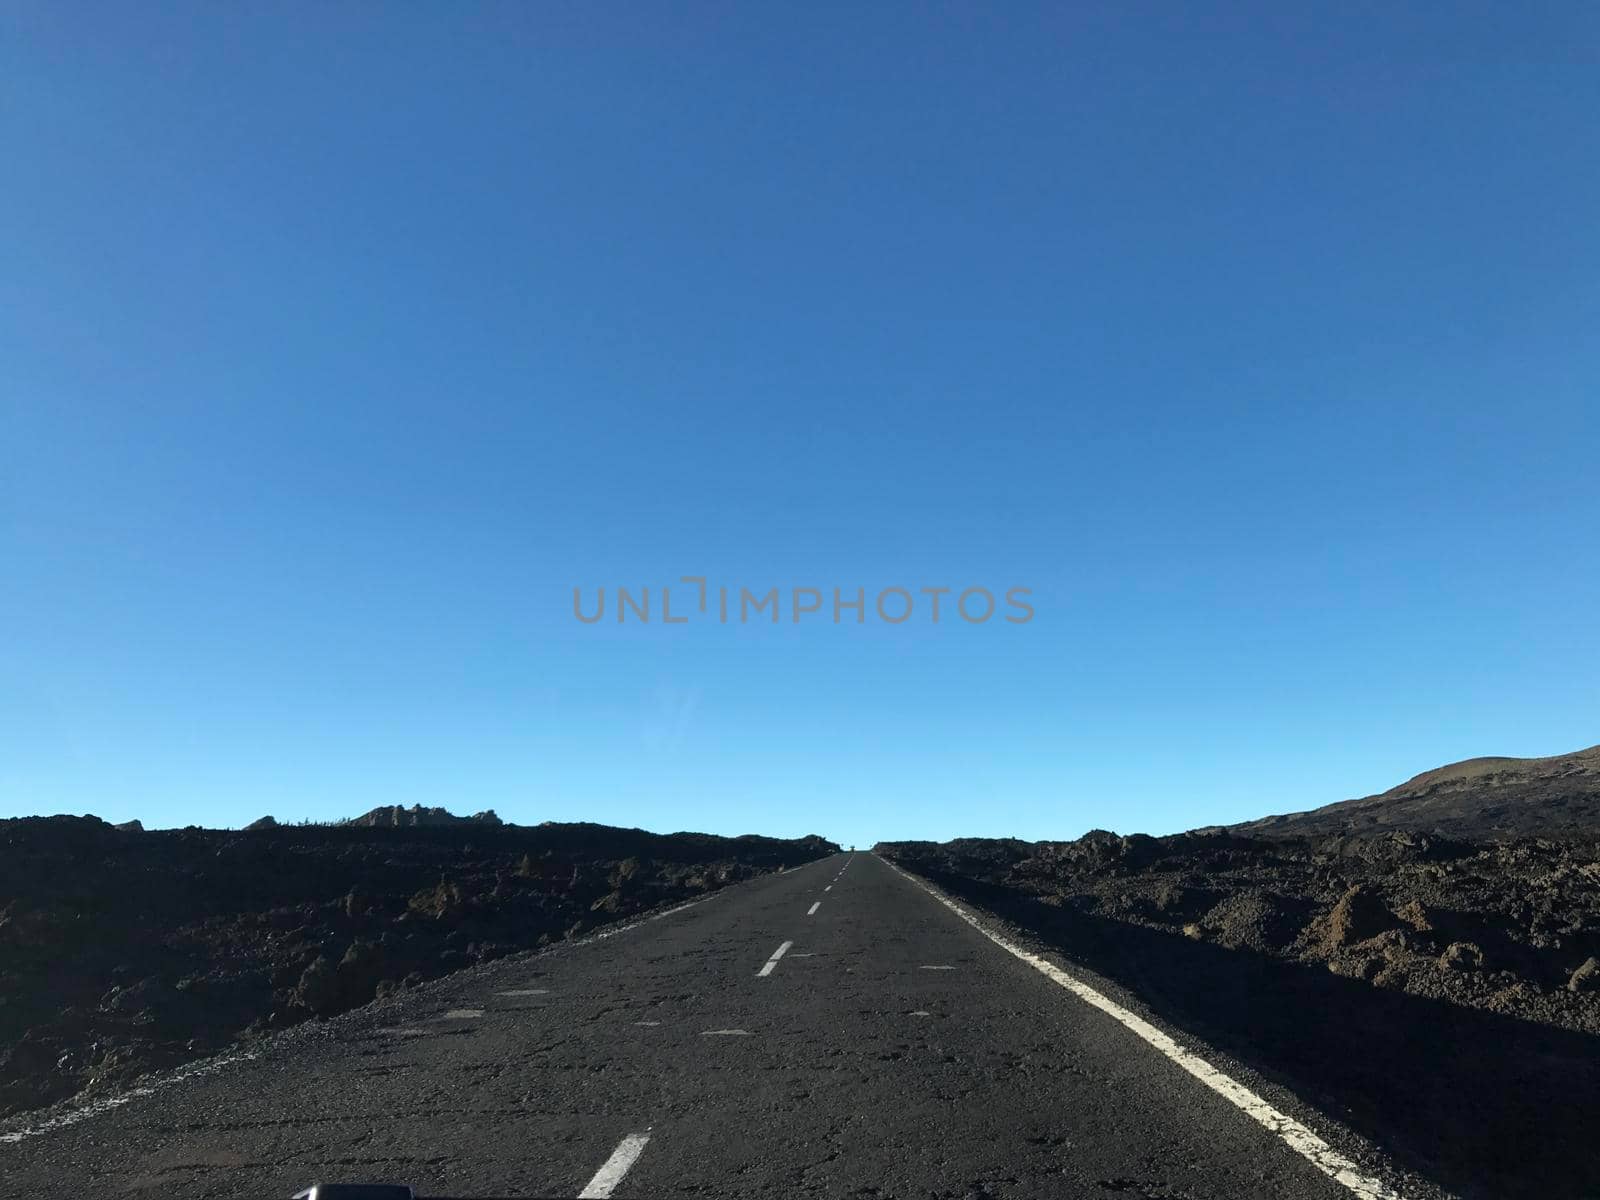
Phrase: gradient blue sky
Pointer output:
(340, 342)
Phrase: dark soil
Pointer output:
(1440, 996)
(123, 951)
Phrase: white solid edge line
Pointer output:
(766, 968)
(1295, 1135)
(812, 910)
(611, 1172)
(72, 1116)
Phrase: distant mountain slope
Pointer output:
(1477, 798)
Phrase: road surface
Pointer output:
(836, 1030)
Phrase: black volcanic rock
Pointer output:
(1477, 798)
(1510, 926)
(395, 816)
(122, 954)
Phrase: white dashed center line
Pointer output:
(725, 1033)
(829, 888)
(773, 961)
(618, 1165)
(813, 909)
(462, 1014)
(940, 968)
(525, 992)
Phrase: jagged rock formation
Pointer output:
(395, 816)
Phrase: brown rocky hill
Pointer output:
(1478, 798)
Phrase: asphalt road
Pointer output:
(892, 1050)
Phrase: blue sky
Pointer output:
(341, 342)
